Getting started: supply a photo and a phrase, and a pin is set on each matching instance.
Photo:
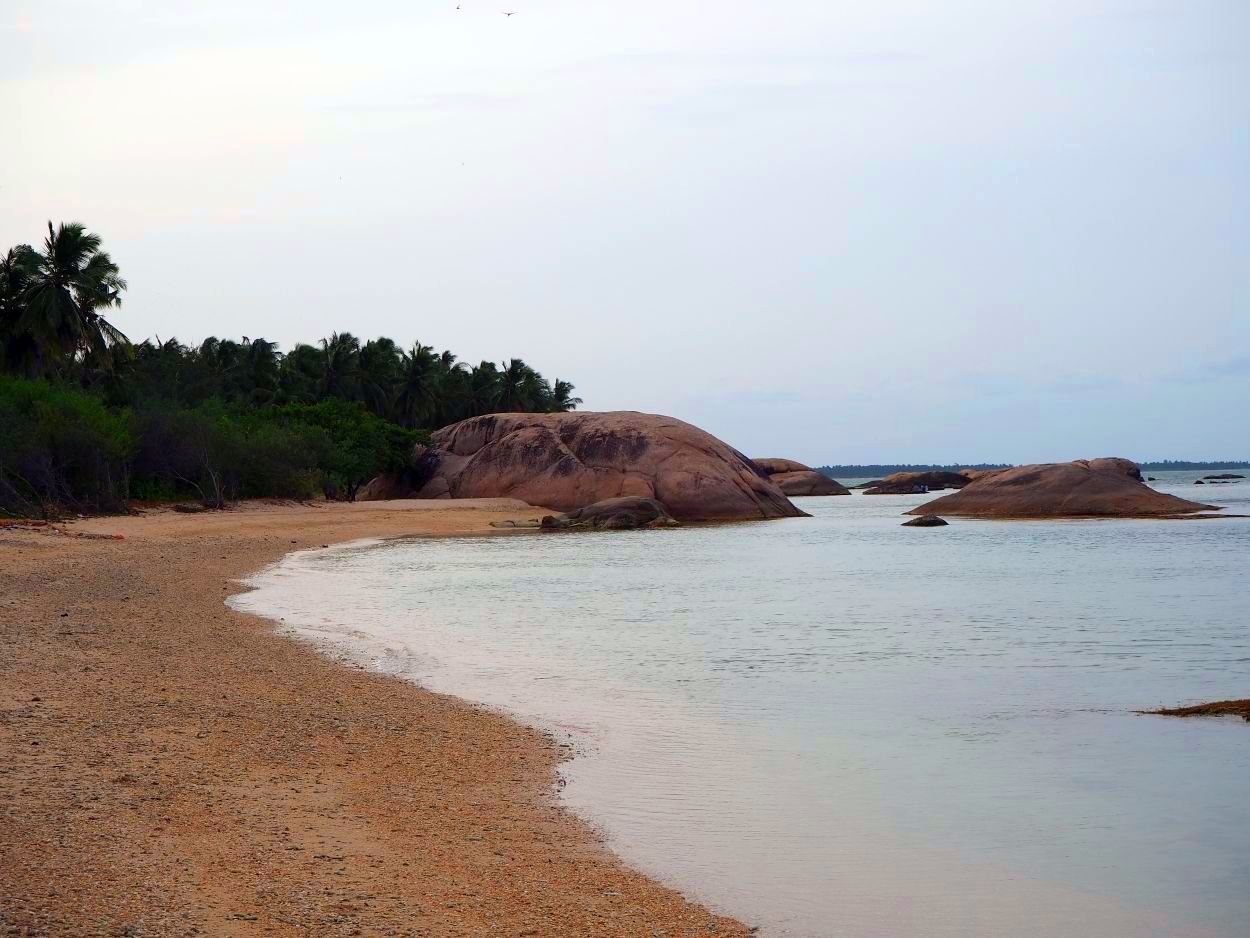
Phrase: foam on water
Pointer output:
(839, 726)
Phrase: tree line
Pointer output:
(879, 470)
(90, 420)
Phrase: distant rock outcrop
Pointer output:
(794, 478)
(1086, 488)
(569, 461)
(911, 483)
(926, 521)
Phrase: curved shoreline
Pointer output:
(179, 770)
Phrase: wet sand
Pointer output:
(173, 767)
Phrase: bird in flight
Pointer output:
(506, 13)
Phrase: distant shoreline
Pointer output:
(848, 471)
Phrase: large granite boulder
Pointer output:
(794, 478)
(1086, 488)
(912, 483)
(569, 461)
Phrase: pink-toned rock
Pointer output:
(1087, 488)
(908, 483)
(569, 461)
(384, 488)
(794, 478)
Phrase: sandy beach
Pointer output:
(173, 767)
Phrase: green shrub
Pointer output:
(61, 449)
(358, 444)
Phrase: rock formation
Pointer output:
(1086, 488)
(1220, 708)
(910, 483)
(794, 478)
(625, 513)
(926, 521)
(569, 461)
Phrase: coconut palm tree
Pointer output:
(381, 364)
(223, 361)
(340, 366)
(16, 266)
(255, 371)
(419, 393)
(71, 282)
(562, 399)
(17, 349)
(299, 374)
(515, 385)
(482, 390)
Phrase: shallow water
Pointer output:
(839, 726)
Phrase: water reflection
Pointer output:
(838, 726)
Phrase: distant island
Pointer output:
(877, 470)
(1182, 465)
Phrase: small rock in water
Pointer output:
(926, 521)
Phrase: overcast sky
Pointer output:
(838, 232)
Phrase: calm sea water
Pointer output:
(840, 726)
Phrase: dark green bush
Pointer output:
(61, 449)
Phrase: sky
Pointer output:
(833, 231)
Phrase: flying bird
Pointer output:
(506, 13)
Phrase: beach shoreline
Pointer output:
(179, 767)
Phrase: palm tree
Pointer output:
(418, 394)
(223, 361)
(482, 390)
(299, 374)
(381, 363)
(17, 349)
(255, 370)
(72, 280)
(16, 267)
(340, 365)
(515, 385)
(562, 399)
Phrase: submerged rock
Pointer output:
(569, 461)
(1087, 488)
(926, 521)
(794, 478)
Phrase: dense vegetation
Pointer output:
(89, 421)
